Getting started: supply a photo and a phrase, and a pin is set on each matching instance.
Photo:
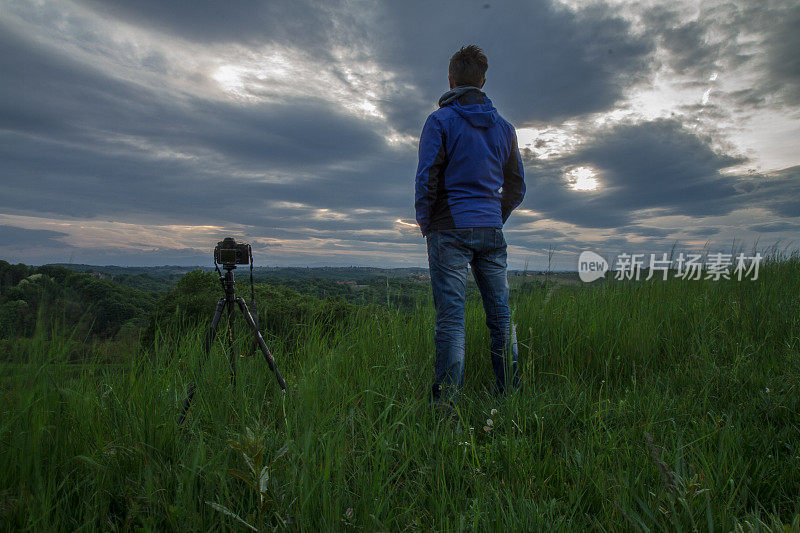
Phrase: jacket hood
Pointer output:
(479, 115)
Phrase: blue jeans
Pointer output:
(449, 252)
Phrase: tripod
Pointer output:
(228, 301)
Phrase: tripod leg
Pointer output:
(212, 331)
(254, 314)
(231, 345)
(261, 343)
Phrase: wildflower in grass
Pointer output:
(349, 512)
(493, 412)
(767, 390)
(489, 422)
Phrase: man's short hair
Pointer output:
(468, 66)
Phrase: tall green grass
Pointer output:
(651, 405)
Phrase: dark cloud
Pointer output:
(22, 238)
(779, 191)
(662, 165)
(646, 231)
(52, 178)
(724, 36)
(538, 234)
(79, 143)
(657, 165)
(701, 231)
(659, 168)
(774, 227)
(700, 45)
(290, 135)
(546, 63)
(783, 59)
(54, 96)
(301, 22)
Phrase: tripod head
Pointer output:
(230, 253)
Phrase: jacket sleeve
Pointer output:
(430, 171)
(513, 180)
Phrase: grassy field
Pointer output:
(651, 405)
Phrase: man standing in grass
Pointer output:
(469, 179)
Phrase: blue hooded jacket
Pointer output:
(470, 172)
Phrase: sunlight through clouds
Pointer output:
(550, 141)
(582, 179)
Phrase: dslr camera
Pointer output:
(230, 253)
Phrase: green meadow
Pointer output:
(652, 405)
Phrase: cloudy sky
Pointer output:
(139, 133)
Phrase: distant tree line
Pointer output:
(88, 303)
(115, 304)
(104, 305)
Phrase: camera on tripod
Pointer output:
(230, 253)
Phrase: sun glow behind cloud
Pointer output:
(582, 179)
